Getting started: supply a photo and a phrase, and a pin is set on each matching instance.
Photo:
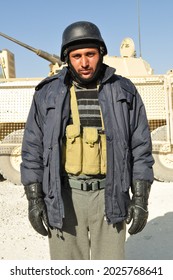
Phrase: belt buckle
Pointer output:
(90, 186)
(86, 186)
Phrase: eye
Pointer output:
(76, 56)
(90, 54)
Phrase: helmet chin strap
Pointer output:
(76, 77)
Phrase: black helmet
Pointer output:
(81, 32)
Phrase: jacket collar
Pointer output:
(108, 73)
(63, 76)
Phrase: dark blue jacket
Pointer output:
(129, 150)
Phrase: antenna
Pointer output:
(139, 32)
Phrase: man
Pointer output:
(86, 144)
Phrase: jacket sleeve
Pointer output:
(141, 143)
(32, 148)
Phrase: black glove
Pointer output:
(37, 212)
(138, 208)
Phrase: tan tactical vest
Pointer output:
(84, 151)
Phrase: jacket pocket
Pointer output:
(46, 175)
(126, 180)
(46, 156)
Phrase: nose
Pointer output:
(84, 61)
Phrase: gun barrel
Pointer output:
(51, 58)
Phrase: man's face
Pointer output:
(85, 61)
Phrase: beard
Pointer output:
(82, 81)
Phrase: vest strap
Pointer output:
(74, 106)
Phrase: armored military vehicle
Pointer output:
(16, 96)
(15, 100)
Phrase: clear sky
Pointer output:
(40, 24)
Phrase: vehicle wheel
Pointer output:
(10, 160)
(163, 166)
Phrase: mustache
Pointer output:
(85, 69)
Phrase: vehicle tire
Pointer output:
(162, 172)
(163, 166)
(10, 160)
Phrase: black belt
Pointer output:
(86, 185)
